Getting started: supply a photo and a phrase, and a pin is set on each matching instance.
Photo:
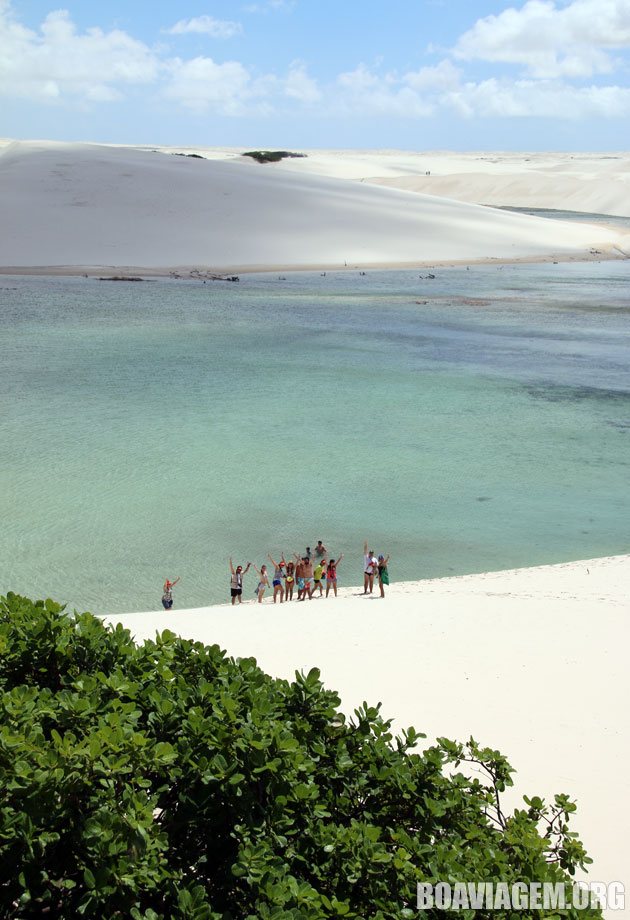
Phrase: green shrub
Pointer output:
(169, 780)
(271, 156)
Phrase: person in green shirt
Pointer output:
(383, 574)
(319, 576)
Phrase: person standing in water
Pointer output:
(320, 550)
(383, 574)
(331, 575)
(167, 596)
(263, 582)
(236, 582)
(278, 577)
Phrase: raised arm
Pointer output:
(365, 548)
(339, 560)
(232, 567)
(247, 567)
(173, 583)
(274, 564)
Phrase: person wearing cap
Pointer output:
(383, 574)
(319, 575)
(279, 575)
(370, 566)
(167, 596)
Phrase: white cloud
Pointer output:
(443, 76)
(206, 25)
(298, 84)
(362, 92)
(201, 84)
(551, 40)
(538, 99)
(58, 61)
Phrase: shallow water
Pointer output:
(472, 421)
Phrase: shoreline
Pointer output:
(190, 272)
(532, 662)
(549, 582)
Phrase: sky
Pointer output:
(291, 74)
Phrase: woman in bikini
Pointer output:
(263, 582)
(289, 581)
(278, 576)
(369, 568)
(331, 575)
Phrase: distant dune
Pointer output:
(83, 206)
(589, 182)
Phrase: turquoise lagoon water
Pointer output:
(472, 421)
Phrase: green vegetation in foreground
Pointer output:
(168, 780)
(271, 156)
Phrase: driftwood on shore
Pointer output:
(204, 276)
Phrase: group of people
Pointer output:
(303, 576)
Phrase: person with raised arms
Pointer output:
(383, 573)
(236, 581)
(319, 576)
(370, 565)
(167, 596)
(331, 575)
(278, 577)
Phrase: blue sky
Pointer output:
(412, 74)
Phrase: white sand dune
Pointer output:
(586, 182)
(79, 206)
(533, 662)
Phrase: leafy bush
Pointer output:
(168, 780)
(271, 156)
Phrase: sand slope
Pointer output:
(587, 182)
(532, 661)
(89, 205)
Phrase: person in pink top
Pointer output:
(331, 575)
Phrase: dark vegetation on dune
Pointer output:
(168, 780)
(271, 156)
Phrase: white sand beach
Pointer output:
(70, 207)
(533, 662)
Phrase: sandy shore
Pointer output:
(96, 209)
(531, 661)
